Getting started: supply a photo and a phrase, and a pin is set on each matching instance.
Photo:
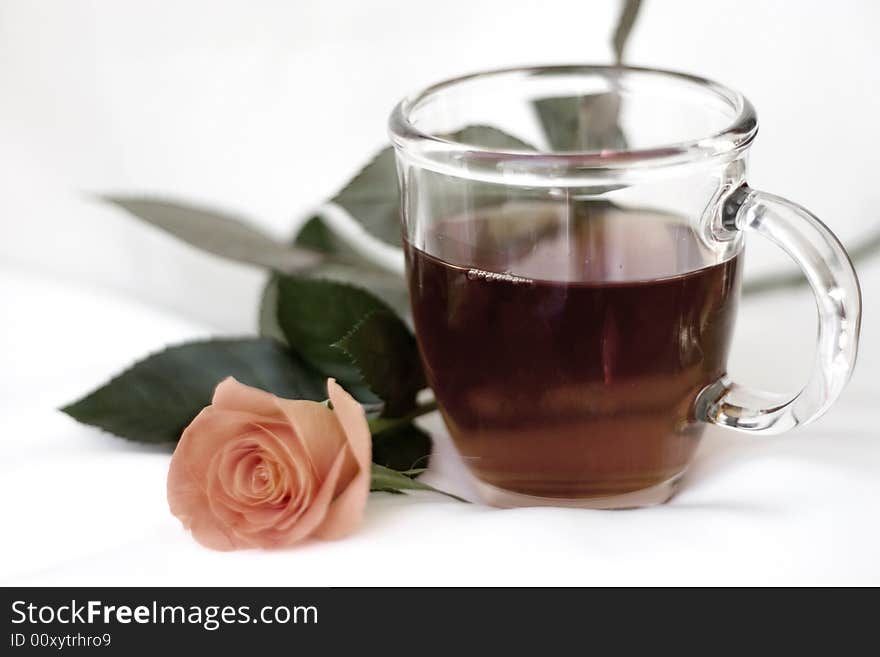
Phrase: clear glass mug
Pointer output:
(573, 239)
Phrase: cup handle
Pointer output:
(830, 273)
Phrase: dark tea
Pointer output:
(566, 352)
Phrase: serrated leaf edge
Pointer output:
(354, 361)
(67, 408)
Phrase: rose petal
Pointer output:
(209, 432)
(319, 430)
(235, 396)
(253, 470)
(188, 501)
(251, 477)
(347, 509)
(234, 509)
(314, 516)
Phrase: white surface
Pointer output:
(84, 508)
(267, 108)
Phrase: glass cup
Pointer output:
(573, 239)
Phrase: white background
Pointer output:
(266, 108)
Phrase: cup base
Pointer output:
(506, 499)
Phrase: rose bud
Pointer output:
(255, 470)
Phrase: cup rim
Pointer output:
(444, 154)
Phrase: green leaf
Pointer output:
(345, 265)
(218, 233)
(315, 235)
(487, 137)
(391, 481)
(156, 398)
(372, 196)
(341, 264)
(591, 122)
(267, 317)
(388, 287)
(581, 123)
(385, 353)
(314, 314)
(406, 448)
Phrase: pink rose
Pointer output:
(255, 470)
